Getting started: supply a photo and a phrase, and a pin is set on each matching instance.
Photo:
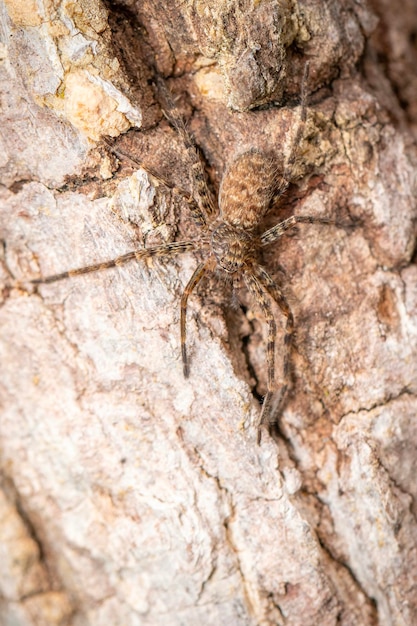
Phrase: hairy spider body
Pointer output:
(232, 247)
(247, 189)
(232, 241)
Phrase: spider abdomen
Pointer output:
(247, 189)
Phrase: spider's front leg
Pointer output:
(164, 250)
(199, 207)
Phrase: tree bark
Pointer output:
(130, 495)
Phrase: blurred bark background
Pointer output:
(128, 494)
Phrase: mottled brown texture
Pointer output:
(260, 48)
(247, 189)
(394, 40)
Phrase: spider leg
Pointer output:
(189, 288)
(283, 181)
(202, 196)
(198, 214)
(165, 250)
(201, 192)
(301, 125)
(258, 291)
(277, 295)
(274, 233)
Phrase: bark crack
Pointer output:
(227, 496)
(405, 391)
(372, 606)
(47, 595)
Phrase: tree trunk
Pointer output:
(131, 495)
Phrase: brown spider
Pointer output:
(232, 242)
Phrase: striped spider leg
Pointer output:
(261, 285)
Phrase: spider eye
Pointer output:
(229, 266)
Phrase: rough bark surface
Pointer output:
(128, 494)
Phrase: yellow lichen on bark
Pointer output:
(90, 109)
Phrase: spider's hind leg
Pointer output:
(261, 284)
(260, 296)
(278, 296)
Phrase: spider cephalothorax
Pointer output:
(232, 247)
